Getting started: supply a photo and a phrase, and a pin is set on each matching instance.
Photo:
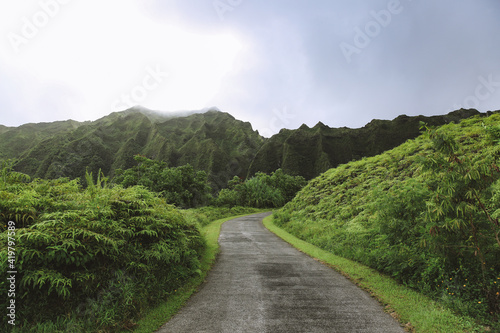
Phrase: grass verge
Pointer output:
(159, 315)
(416, 312)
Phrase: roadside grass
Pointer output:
(159, 315)
(415, 312)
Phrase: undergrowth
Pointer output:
(90, 259)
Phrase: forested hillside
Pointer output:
(310, 151)
(14, 141)
(426, 213)
(214, 142)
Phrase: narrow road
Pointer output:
(262, 284)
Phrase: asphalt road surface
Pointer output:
(262, 284)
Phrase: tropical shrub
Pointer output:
(261, 191)
(181, 186)
(91, 259)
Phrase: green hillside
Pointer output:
(310, 151)
(425, 213)
(213, 141)
(16, 140)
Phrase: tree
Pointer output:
(182, 186)
(460, 211)
(261, 190)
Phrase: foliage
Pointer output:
(100, 254)
(425, 213)
(8, 177)
(261, 191)
(182, 186)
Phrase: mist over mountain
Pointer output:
(208, 139)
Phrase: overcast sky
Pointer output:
(275, 63)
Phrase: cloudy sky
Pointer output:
(275, 63)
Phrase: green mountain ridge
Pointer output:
(311, 151)
(212, 141)
(111, 142)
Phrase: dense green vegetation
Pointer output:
(311, 151)
(97, 257)
(181, 186)
(261, 190)
(214, 142)
(425, 213)
(91, 259)
(94, 254)
(187, 188)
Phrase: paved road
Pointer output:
(262, 284)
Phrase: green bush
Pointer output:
(181, 186)
(261, 191)
(92, 259)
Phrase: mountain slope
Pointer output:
(213, 141)
(310, 151)
(16, 140)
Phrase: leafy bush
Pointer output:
(261, 191)
(425, 212)
(101, 254)
(182, 186)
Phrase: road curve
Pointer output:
(262, 284)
